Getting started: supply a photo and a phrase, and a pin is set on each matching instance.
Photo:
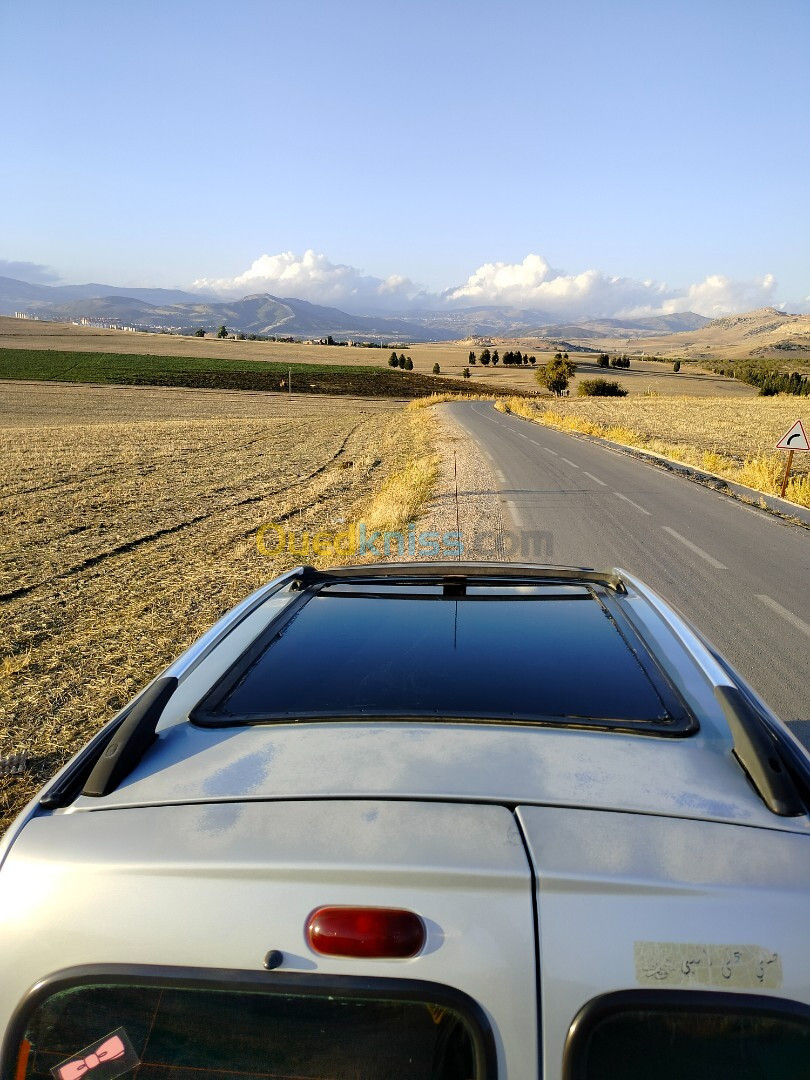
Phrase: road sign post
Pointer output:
(787, 474)
(795, 438)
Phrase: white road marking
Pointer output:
(554, 452)
(568, 461)
(710, 559)
(520, 433)
(800, 624)
(641, 508)
(514, 514)
(595, 479)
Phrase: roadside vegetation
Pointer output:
(730, 437)
(132, 520)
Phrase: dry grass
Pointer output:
(437, 399)
(732, 438)
(126, 539)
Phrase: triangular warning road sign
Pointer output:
(795, 439)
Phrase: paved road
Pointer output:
(740, 575)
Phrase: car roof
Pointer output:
(457, 682)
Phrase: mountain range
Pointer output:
(267, 315)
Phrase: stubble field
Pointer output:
(732, 437)
(130, 520)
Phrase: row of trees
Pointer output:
(605, 360)
(402, 361)
(511, 358)
(764, 374)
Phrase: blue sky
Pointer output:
(647, 156)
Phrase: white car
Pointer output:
(424, 821)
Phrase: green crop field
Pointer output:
(207, 373)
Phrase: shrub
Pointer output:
(436, 369)
(600, 388)
(466, 373)
(676, 366)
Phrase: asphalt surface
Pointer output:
(740, 575)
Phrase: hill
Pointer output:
(766, 332)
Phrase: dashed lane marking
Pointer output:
(595, 479)
(710, 559)
(641, 508)
(794, 620)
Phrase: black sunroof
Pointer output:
(548, 655)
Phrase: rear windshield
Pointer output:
(525, 656)
(179, 1033)
(727, 1043)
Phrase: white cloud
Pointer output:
(531, 284)
(313, 277)
(534, 284)
(34, 273)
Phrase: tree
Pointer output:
(409, 364)
(199, 333)
(401, 361)
(223, 331)
(393, 359)
(676, 366)
(436, 369)
(532, 360)
(471, 356)
(556, 374)
(484, 358)
(495, 358)
(466, 373)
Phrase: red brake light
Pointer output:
(365, 932)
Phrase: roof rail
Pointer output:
(757, 752)
(462, 571)
(131, 740)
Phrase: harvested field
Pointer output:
(130, 524)
(732, 437)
